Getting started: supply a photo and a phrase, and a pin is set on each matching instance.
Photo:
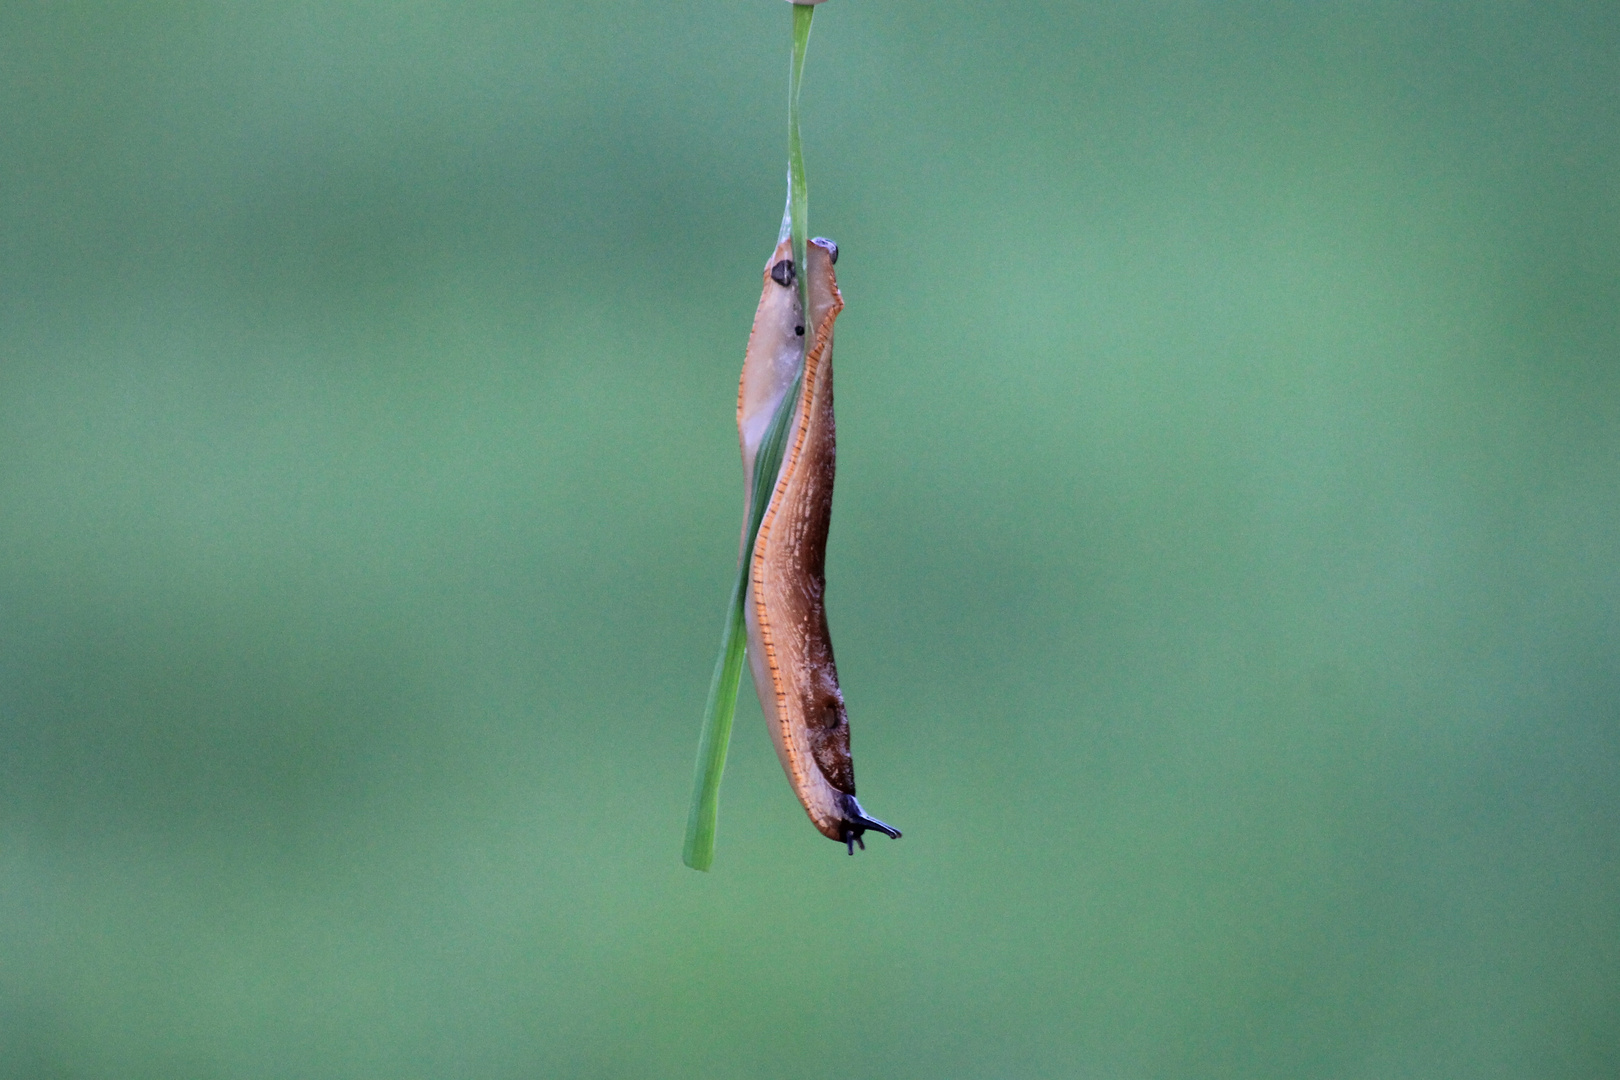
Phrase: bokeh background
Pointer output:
(1224, 569)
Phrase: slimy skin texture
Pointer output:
(789, 646)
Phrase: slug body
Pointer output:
(789, 646)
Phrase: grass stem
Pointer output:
(703, 818)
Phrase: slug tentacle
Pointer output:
(789, 645)
(858, 823)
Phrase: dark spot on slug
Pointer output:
(832, 248)
(829, 745)
(782, 273)
(799, 330)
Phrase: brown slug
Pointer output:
(789, 647)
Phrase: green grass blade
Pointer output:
(798, 193)
(703, 818)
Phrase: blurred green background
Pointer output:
(1224, 570)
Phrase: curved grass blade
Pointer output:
(721, 708)
(704, 815)
(798, 192)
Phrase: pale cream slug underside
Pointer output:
(789, 647)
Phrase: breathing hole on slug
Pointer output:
(782, 273)
(799, 330)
